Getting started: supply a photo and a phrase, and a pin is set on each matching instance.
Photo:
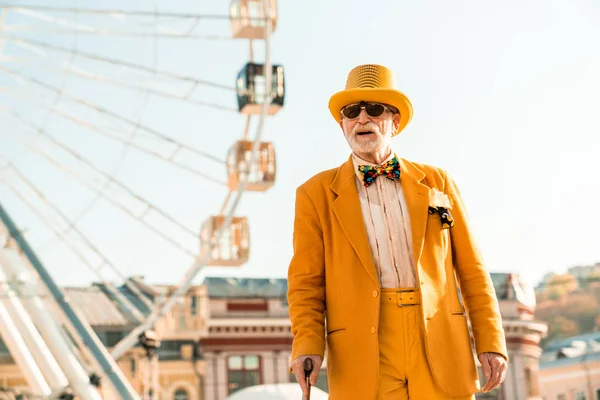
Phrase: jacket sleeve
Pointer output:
(306, 280)
(474, 280)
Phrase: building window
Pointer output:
(597, 394)
(112, 338)
(174, 350)
(132, 365)
(194, 305)
(322, 382)
(181, 394)
(182, 322)
(579, 396)
(242, 372)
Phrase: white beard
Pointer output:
(374, 143)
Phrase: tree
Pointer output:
(560, 327)
(592, 280)
(568, 315)
(559, 285)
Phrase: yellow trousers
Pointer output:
(403, 369)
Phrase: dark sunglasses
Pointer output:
(352, 111)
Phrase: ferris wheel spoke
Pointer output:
(10, 173)
(104, 175)
(142, 78)
(131, 142)
(115, 62)
(153, 22)
(118, 13)
(102, 110)
(65, 26)
(149, 207)
(131, 17)
(71, 244)
(34, 28)
(142, 85)
(106, 32)
(39, 52)
(45, 18)
(141, 215)
(160, 28)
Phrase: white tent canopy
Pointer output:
(281, 391)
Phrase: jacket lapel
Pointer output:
(417, 201)
(347, 210)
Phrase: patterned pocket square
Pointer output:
(445, 216)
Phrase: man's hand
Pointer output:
(298, 369)
(494, 369)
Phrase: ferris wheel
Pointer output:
(100, 105)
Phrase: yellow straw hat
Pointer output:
(371, 82)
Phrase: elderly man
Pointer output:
(386, 274)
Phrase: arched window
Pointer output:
(181, 394)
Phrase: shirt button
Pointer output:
(375, 293)
(373, 330)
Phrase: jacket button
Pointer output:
(373, 330)
(375, 293)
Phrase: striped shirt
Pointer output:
(388, 228)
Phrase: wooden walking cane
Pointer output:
(308, 368)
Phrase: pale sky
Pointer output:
(505, 98)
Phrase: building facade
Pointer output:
(249, 338)
(223, 336)
(523, 335)
(231, 333)
(570, 368)
(581, 273)
(175, 371)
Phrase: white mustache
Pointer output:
(368, 127)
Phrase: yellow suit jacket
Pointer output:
(333, 286)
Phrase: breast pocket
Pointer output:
(436, 252)
(335, 331)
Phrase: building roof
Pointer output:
(510, 286)
(587, 337)
(571, 350)
(102, 310)
(134, 299)
(96, 307)
(246, 287)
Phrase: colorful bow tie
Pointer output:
(390, 169)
